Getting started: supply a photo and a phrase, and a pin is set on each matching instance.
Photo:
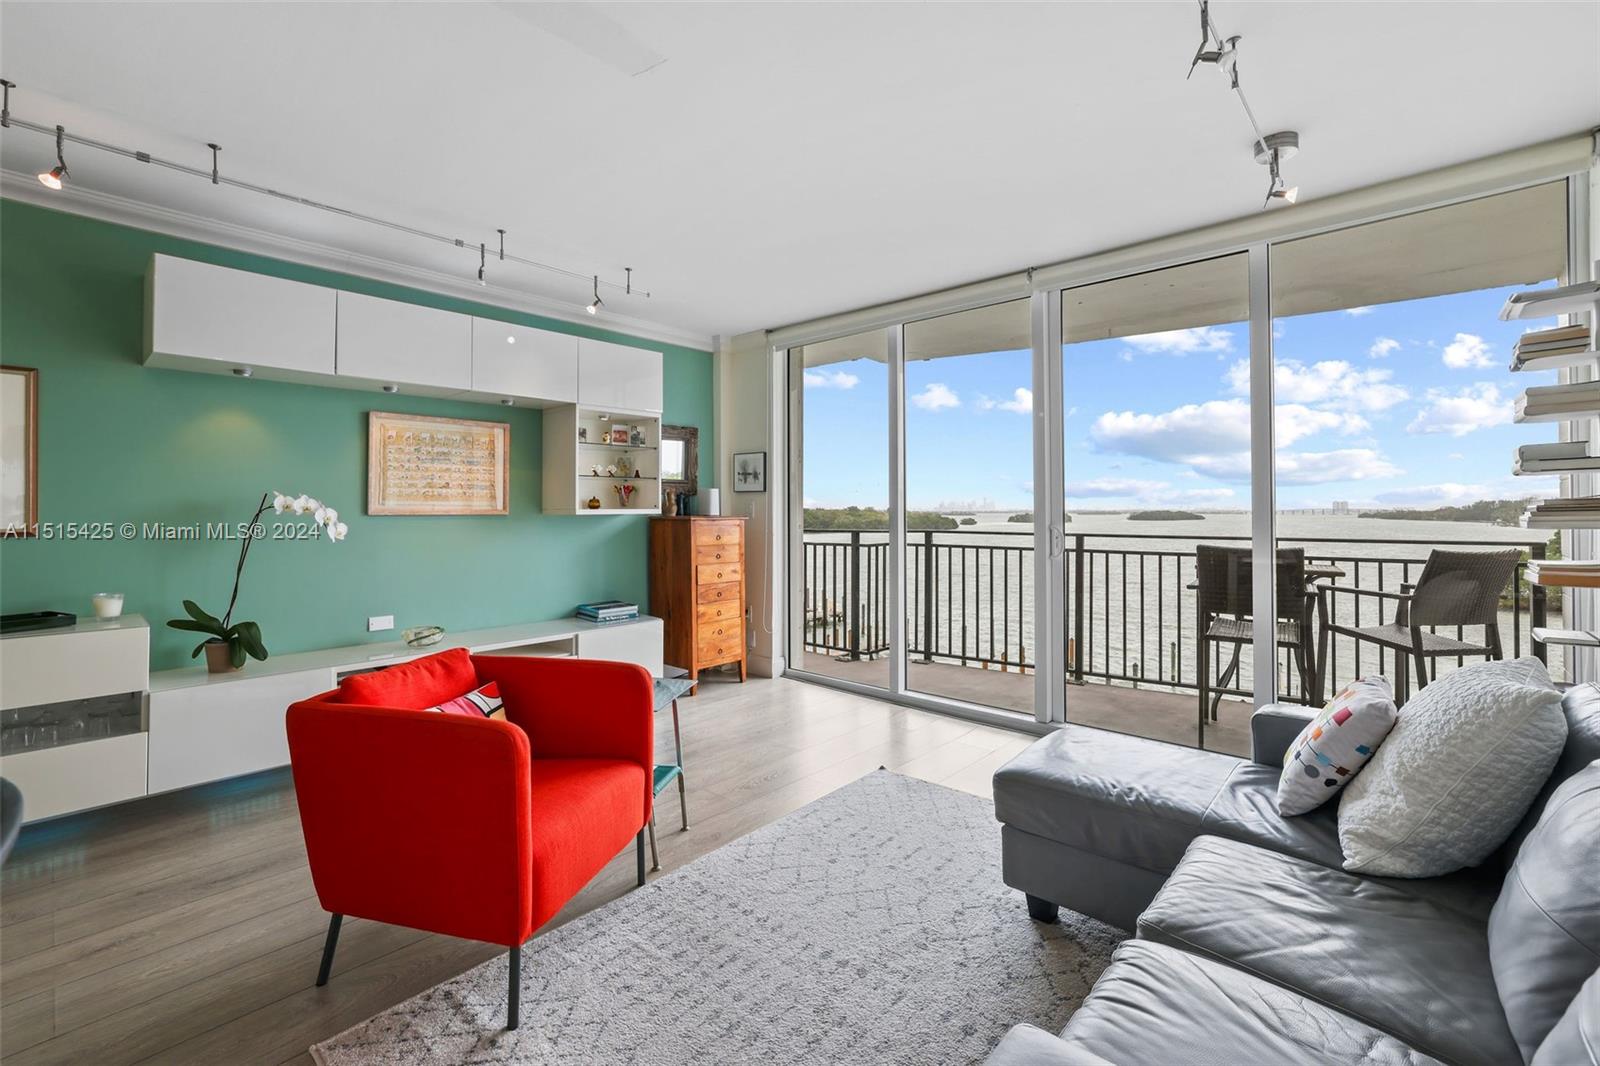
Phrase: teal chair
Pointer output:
(668, 690)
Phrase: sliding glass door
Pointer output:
(1155, 400)
(969, 507)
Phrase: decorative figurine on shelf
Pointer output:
(669, 503)
(583, 435)
(625, 466)
(611, 471)
(636, 437)
(624, 493)
(593, 504)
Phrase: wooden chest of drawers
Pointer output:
(697, 588)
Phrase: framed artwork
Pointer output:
(619, 434)
(19, 451)
(418, 464)
(749, 471)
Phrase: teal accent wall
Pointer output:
(122, 443)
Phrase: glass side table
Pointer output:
(668, 689)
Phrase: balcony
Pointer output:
(1132, 657)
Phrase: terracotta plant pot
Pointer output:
(218, 658)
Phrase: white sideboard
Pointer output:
(219, 320)
(72, 702)
(200, 727)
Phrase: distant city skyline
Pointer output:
(1396, 405)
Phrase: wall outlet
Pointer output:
(378, 623)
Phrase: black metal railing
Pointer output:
(1130, 609)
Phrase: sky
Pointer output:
(1406, 404)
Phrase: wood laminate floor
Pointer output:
(184, 928)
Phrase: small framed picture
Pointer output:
(19, 451)
(619, 434)
(749, 471)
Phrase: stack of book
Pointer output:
(607, 611)
(1578, 512)
(1564, 572)
(1564, 458)
(1551, 403)
(1552, 349)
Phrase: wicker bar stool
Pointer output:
(1223, 581)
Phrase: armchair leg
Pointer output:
(327, 949)
(514, 989)
(639, 848)
(683, 802)
(655, 857)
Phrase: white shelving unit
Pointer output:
(583, 463)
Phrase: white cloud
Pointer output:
(1183, 341)
(1382, 347)
(1021, 403)
(1357, 312)
(1466, 352)
(936, 396)
(1332, 381)
(1463, 411)
(1113, 486)
(830, 379)
(1345, 464)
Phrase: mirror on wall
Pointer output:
(680, 459)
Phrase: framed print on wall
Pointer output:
(749, 471)
(419, 464)
(19, 451)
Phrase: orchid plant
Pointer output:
(244, 638)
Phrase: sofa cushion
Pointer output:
(1155, 1004)
(1544, 933)
(413, 686)
(1461, 767)
(1336, 744)
(1575, 1041)
(1580, 704)
(483, 702)
(583, 814)
(1373, 949)
(1028, 1045)
(1141, 802)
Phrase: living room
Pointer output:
(707, 533)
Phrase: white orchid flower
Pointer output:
(336, 532)
(302, 503)
(326, 516)
(280, 502)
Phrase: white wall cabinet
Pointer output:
(213, 319)
(76, 777)
(388, 342)
(616, 376)
(579, 458)
(523, 363)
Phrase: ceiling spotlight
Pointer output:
(57, 175)
(511, 338)
(1271, 151)
(594, 308)
(482, 258)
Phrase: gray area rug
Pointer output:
(868, 927)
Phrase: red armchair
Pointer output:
(470, 826)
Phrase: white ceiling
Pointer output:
(777, 161)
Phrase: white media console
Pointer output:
(87, 724)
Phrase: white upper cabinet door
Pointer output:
(523, 362)
(615, 375)
(387, 341)
(235, 318)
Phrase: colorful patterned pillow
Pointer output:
(483, 703)
(1335, 744)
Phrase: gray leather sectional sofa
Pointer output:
(1253, 945)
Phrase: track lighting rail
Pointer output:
(215, 177)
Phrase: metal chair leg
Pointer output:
(514, 989)
(639, 850)
(683, 801)
(1225, 679)
(327, 949)
(655, 859)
